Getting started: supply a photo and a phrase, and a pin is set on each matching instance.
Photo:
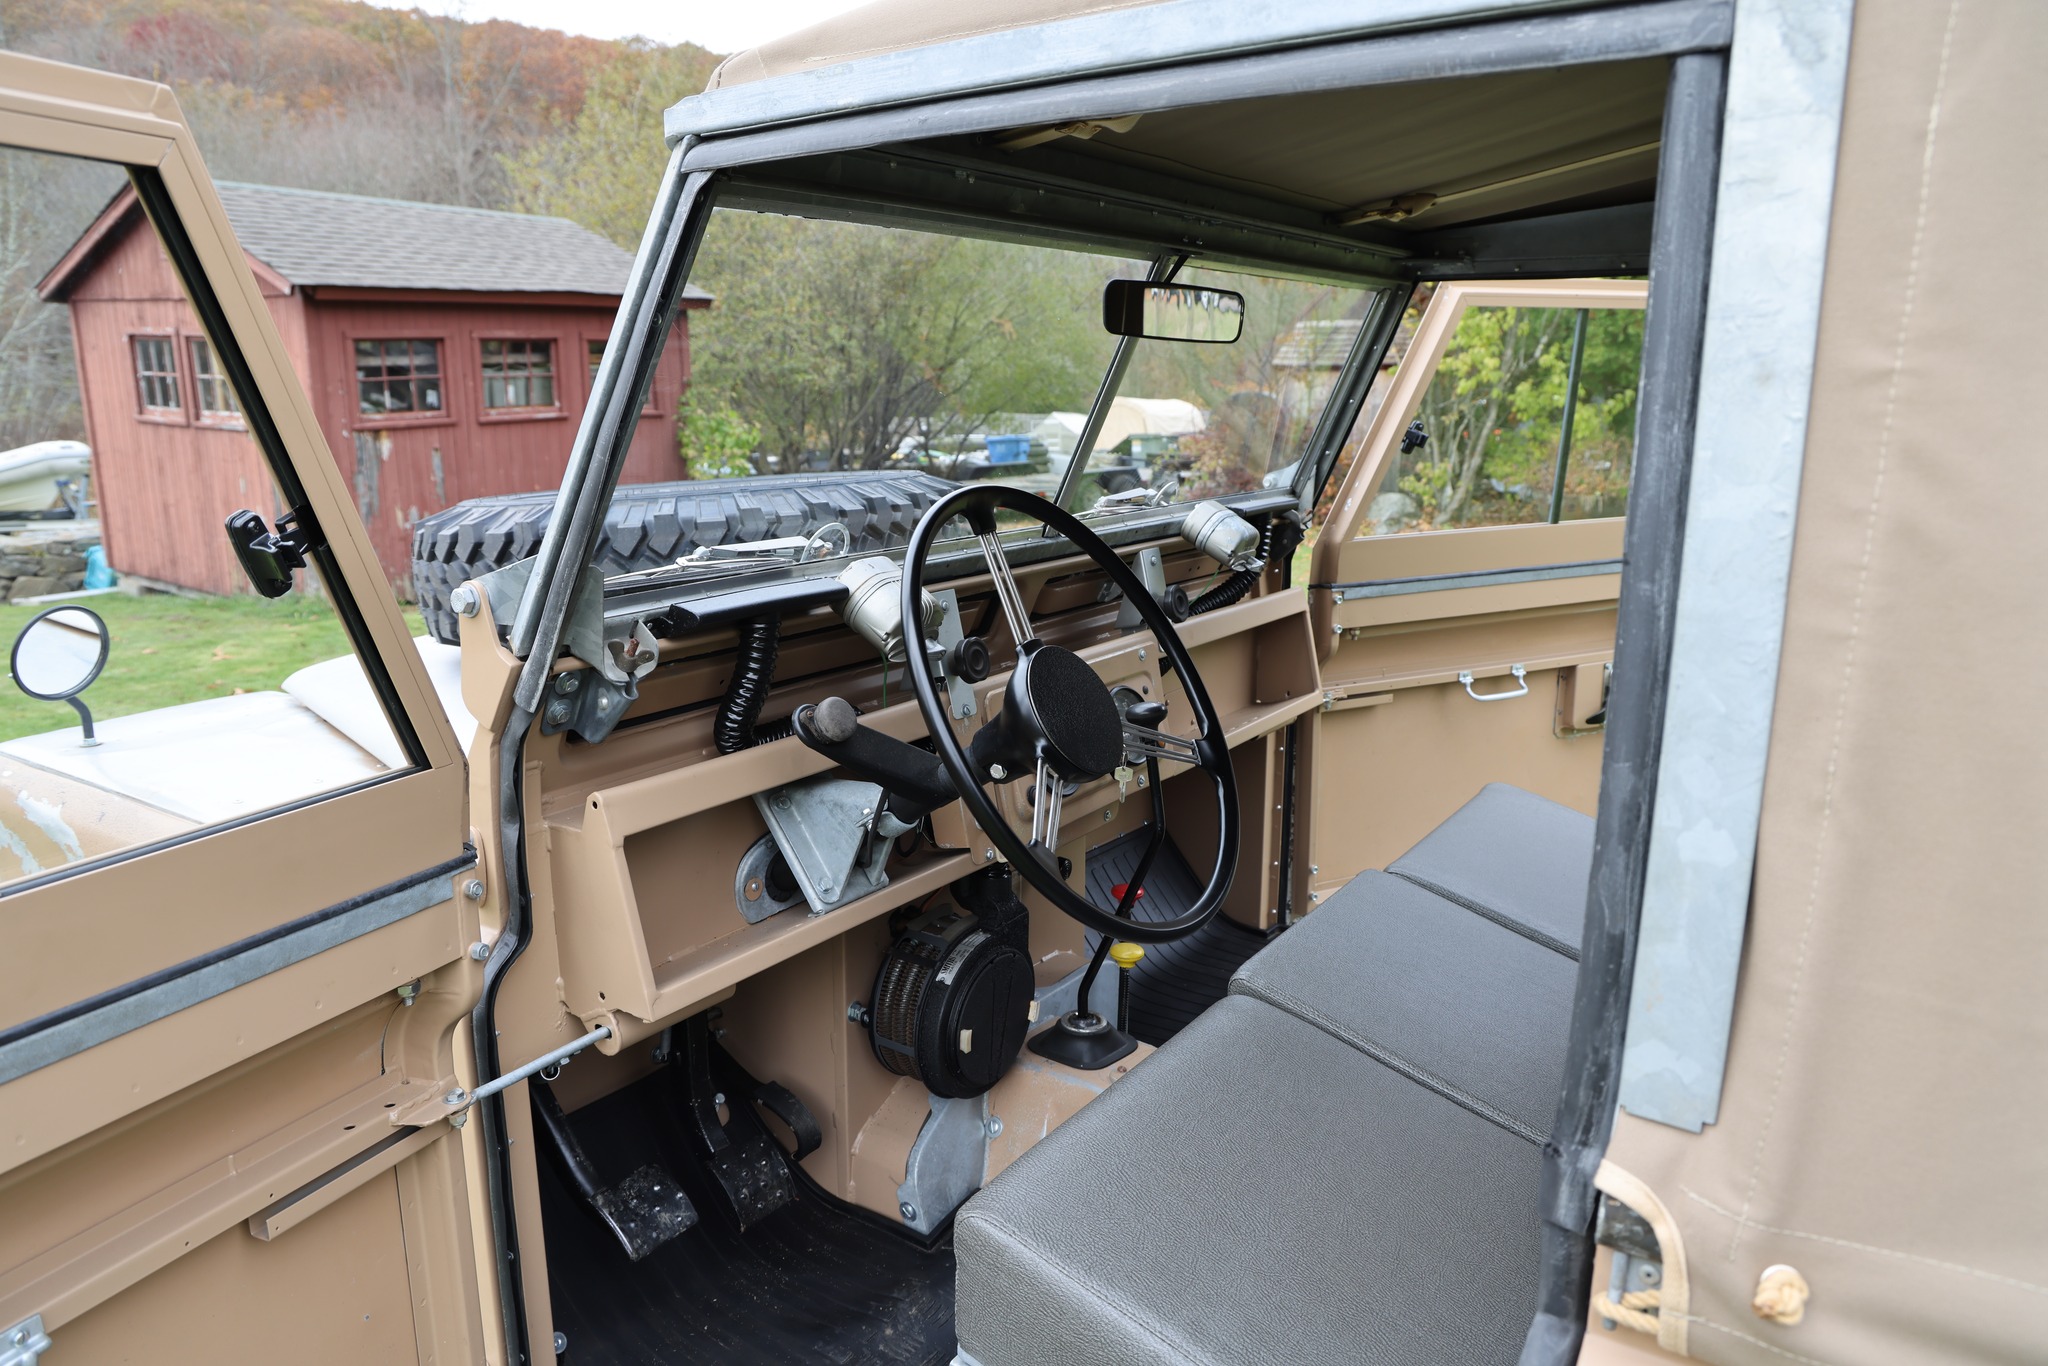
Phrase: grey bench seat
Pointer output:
(1339, 1161)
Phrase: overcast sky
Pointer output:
(723, 26)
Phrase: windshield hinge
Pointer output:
(269, 557)
(26, 1341)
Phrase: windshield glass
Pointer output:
(1223, 418)
(833, 346)
(828, 347)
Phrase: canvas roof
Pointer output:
(313, 238)
(893, 26)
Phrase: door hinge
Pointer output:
(269, 557)
(22, 1344)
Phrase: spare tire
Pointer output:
(652, 524)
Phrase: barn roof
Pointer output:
(315, 238)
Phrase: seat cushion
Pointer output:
(1257, 1191)
(1475, 1011)
(1513, 857)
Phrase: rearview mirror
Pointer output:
(58, 655)
(1193, 313)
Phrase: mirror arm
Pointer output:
(84, 718)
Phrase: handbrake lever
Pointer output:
(915, 782)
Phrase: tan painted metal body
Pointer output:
(186, 1190)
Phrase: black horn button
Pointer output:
(1077, 718)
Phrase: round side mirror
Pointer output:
(58, 655)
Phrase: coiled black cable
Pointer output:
(753, 673)
(1277, 540)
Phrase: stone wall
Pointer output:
(45, 557)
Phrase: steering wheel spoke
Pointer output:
(1007, 592)
(1048, 792)
(1143, 742)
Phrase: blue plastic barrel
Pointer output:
(1007, 450)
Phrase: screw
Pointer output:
(994, 1126)
(909, 1212)
(857, 1013)
(1141, 656)
(465, 600)
(479, 950)
(558, 713)
(561, 1344)
(988, 856)
(474, 889)
(565, 684)
(1313, 870)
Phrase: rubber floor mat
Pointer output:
(1173, 983)
(813, 1282)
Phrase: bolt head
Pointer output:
(998, 772)
(474, 889)
(567, 684)
(1141, 656)
(479, 950)
(557, 712)
(465, 601)
(718, 1099)
(988, 856)
(561, 1344)
(908, 1211)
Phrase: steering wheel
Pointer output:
(1059, 723)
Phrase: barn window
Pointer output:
(519, 374)
(156, 375)
(217, 399)
(398, 377)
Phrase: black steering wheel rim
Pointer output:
(978, 505)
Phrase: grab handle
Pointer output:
(1521, 676)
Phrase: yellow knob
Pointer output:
(1126, 955)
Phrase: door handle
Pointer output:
(1521, 677)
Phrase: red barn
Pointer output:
(448, 351)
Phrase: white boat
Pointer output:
(29, 474)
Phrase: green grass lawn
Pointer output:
(167, 650)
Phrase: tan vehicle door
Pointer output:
(1466, 622)
(211, 1017)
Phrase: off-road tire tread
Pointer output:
(651, 524)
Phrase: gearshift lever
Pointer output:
(1082, 1039)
